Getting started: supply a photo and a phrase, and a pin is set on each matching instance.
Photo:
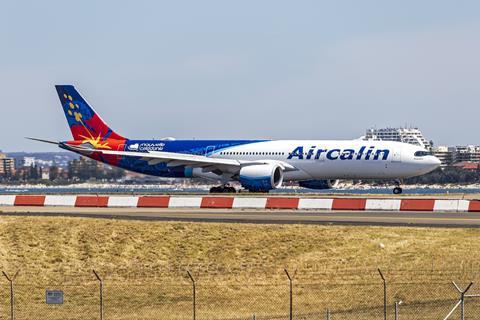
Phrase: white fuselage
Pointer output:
(342, 159)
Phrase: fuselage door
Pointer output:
(397, 155)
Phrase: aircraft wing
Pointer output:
(183, 159)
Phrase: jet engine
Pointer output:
(261, 177)
(318, 184)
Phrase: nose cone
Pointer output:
(428, 164)
(433, 163)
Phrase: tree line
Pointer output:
(80, 170)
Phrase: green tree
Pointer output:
(53, 172)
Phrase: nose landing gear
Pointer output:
(397, 189)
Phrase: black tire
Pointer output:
(397, 190)
(215, 190)
(230, 190)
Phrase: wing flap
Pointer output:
(174, 159)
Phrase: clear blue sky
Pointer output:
(242, 69)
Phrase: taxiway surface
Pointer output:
(390, 218)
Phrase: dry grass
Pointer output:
(144, 266)
(53, 247)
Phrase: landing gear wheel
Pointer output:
(230, 190)
(223, 189)
(215, 190)
(397, 190)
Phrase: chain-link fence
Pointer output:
(278, 298)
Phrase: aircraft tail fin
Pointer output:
(85, 124)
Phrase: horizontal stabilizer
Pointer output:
(44, 141)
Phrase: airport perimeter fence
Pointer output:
(282, 299)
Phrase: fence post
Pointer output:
(12, 297)
(461, 302)
(290, 280)
(101, 293)
(397, 308)
(194, 295)
(462, 298)
(384, 294)
(327, 316)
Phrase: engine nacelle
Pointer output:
(261, 177)
(318, 184)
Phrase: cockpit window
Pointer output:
(422, 153)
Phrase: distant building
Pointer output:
(84, 168)
(467, 154)
(7, 165)
(466, 165)
(45, 174)
(459, 154)
(44, 163)
(445, 154)
(28, 161)
(62, 159)
(407, 135)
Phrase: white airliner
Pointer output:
(259, 165)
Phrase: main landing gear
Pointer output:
(397, 189)
(223, 189)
